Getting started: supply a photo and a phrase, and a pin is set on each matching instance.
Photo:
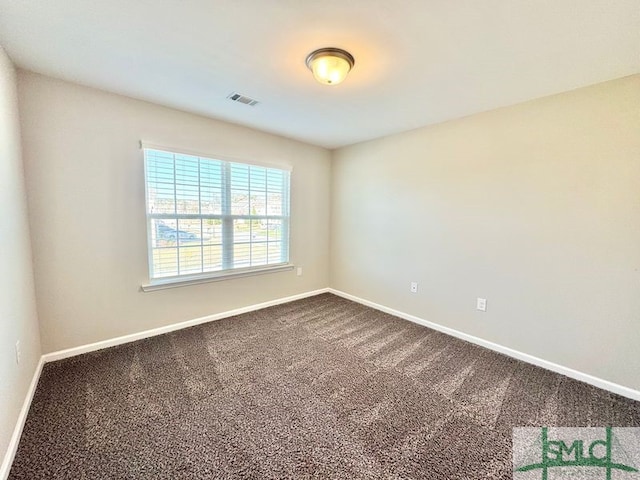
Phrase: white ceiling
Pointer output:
(418, 62)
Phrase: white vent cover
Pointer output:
(237, 97)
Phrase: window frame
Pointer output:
(226, 219)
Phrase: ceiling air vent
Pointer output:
(236, 97)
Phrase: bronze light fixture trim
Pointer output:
(330, 66)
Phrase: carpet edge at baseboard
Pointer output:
(12, 448)
(9, 455)
(112, 342)
(510, 352)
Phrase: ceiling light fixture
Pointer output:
(330, 66)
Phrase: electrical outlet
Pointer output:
(481, 304)
(18, 353)
(299, 271)
(414, 287)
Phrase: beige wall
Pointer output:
(84, 174)
(535, 207)
(18, 317)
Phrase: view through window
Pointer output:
(206, 216)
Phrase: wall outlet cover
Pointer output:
(481, 304)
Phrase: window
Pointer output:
(208, 217)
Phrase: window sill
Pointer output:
(162, 284)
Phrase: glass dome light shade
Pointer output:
(330, 66)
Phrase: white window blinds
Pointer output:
(206, 215)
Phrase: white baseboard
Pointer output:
(22, 418)
(525, 357)
(92, 347)
(5, 467)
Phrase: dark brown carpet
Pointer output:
(318, 388)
